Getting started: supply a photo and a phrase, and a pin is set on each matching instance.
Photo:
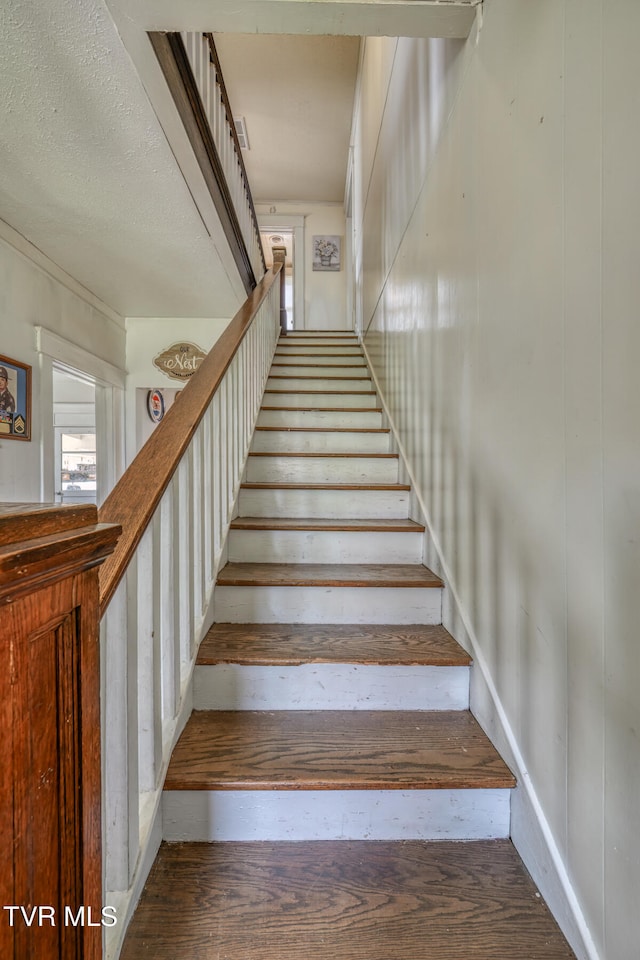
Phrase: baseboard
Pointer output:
(530, 831)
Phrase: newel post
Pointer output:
(50, 820)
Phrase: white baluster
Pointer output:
(142, 576)
(183, 510)
(168, 607)
(120, 748)
(196, 528)
(207, 519)
(218, 454)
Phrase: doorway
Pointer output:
(287, 230)
(74, 425)
(277, 240)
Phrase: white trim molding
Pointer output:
(71, 355)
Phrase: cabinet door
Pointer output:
(51, 777)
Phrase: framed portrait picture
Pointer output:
(15, 400)
(326, 253)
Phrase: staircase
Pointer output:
(331, 759)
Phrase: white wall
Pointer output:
(35, 293)
(325, 293)
(497, 204)
(146, 338)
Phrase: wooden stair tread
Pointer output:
(296, 350)
(323, 429)
(292, 644)
(321, 454)
(325, 334)
(321, 366)
(331, 393)
(335, 750)
(327, 575)
(352, 354)
(311, 376)
(342, 900)
(326, 410)
(311, 523)
(268, 485)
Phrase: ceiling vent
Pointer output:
(241, 131)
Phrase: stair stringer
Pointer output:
(531, 833)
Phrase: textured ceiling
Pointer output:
(296, 95)
(86, 173)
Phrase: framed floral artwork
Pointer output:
(15, 400)
(326, 253)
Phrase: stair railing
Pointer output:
(174, 504)
(192, 70)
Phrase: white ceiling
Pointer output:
(296, 94)
(95, 168)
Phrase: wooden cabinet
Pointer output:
(51, 866)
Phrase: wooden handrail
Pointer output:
(174, 62)
(227, 106)
(135, 498)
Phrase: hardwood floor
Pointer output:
(342, 901)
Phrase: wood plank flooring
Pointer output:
(335, 750)
(327, 575)
(342, 900)
(291, 644)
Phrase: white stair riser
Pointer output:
(312, 400)
(272, 441)
(327, 604)
(319, 418)
(299, 369)
(338, 354)
(280, 815)
(330, 686)
(319, 469)
(332, 504)
(305, 383)
(323, 546)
